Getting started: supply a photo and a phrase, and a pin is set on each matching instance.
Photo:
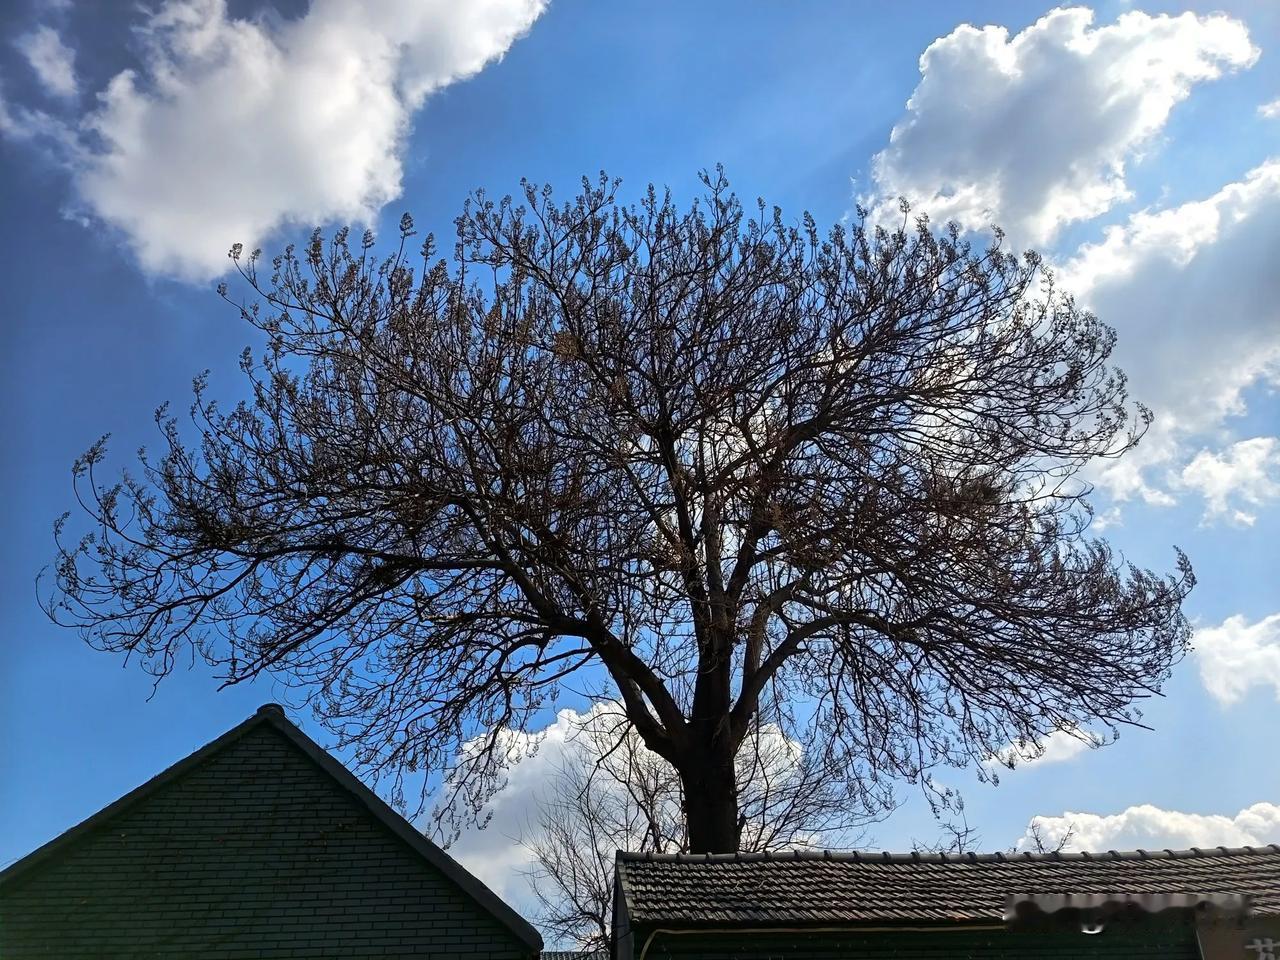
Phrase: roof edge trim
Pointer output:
(46, 850)
(405, 831)
(859, 856)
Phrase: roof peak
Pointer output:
(871, 856)
(273, 715)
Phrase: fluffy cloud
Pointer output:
(1147, 827)
(1034, 131)
(1058, 747)
(232, 128)
(495, 853)
(1248, 471)
(1271, 110)
(1237, 655)
(545, 763)
(52, 61)
(1195, 296)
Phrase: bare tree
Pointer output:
(1041, 842)
(611, 793)
(955, 833)
(723, 458)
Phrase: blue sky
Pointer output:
(1140, 149)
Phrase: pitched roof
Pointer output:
(238, 761)
(818, 887)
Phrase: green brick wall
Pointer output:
(256, 852)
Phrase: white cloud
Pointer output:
(1148, 827)
(1247, 471)
(1236, 656)
(538, 760)
(52, 61)
(1034, 131)
(1058, 747)
(1195, 297)
(25, 125)
(495, 853)
(1270, 111)
(232, 128)
(1111, 517)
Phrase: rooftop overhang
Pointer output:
(1092, 912)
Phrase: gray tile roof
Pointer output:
(817, 888)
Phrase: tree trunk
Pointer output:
(711, 803)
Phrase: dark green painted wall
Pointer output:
(1167, 942)
(255, 853)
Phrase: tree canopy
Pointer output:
(754, 472)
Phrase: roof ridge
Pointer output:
(417, 841)
(140, 792)
(273, 715)
(916, 856)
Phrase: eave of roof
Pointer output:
(273, 714)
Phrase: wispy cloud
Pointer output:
(52, 61)
(1058, 747)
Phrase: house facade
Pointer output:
(1219, 904)
(260, 845)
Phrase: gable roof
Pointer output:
(812, 888)
(271, 716)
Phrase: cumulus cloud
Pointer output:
(1058, 747)
(231, 128)
(1237, 655)
(1246, 472)
(545, 763)
(1148, 827)
(495, 853)
(1034, 131)
(1195, 297)
(1270, 111)
(52, 61)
